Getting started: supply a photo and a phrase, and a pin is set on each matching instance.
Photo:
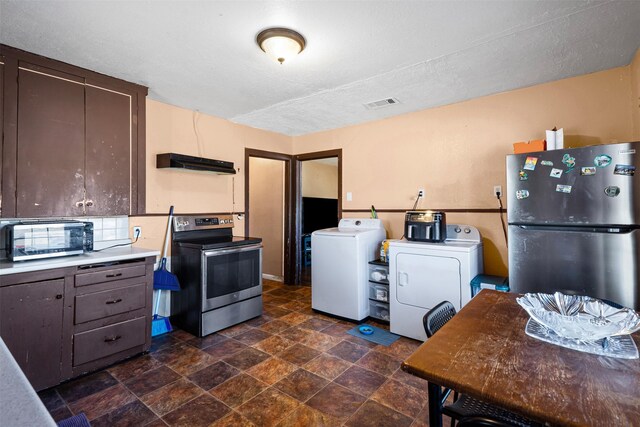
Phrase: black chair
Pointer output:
(482, 422)
(437, 317)
(465, 406)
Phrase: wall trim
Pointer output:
(471, 210)
(189, 213)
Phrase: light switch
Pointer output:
(349, 196)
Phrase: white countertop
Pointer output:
(107, 255)
(19, 403)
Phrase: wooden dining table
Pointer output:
(483, 351)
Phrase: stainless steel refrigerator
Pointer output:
(574, 218)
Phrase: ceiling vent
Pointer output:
(381, 103)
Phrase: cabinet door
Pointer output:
(108, 155)
(31, 327)
(50, 163)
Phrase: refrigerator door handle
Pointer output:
(584, 229)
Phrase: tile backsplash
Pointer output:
(107, 231)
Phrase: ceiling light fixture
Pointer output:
(281, 43)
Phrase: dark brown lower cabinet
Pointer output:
(31, 327)
(59, 324)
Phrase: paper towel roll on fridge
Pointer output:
(555, 139)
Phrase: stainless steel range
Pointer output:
(220, 274)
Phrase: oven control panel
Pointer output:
(195, 222)
(207, 221)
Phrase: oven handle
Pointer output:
(216, 252)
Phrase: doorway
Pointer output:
(268, 207)
(318, 202)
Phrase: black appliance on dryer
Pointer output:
(220, 274)
(425, 226)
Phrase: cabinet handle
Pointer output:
(89, 203)
(114, 275)
(112, 339)
(114, 301)
(80, 204)
(59, 296)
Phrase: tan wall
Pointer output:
(457, 152)
(319, 179)
(266, 202)
(635, 95)
(171, 129)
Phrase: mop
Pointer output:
(163, 280)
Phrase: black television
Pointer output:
(318, 213)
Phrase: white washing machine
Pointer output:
(339, 266)
(422, 275)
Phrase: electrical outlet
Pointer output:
(497, 190)
(137, 232)
(421, 192)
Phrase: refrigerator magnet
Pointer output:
(569, 161)
(523, 175)
(530, 163)
(627, 170)
(612, 191)
(546, 163)
(556, 173)
(588, 171)
(602, 161)
(522, 194)
(563, 188)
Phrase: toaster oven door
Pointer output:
(45, 240)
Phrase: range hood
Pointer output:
(181, 161)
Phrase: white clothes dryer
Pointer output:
(339, 266)
(422, 275)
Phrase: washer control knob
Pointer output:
(358, 222)
(467, 230)
(457, 229)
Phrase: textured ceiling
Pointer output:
(202, 55)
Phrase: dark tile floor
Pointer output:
(289, 367)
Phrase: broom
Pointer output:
(163, 280)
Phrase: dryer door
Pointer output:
(426, 280)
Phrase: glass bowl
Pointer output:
(579, 317)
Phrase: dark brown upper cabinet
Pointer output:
(108, 152)
(50, 161)
(73, 140)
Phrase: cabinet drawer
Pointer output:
(378, 292)
(116, 273)
(379, 310)
(379, 274)
(102, 342)
(108, 303)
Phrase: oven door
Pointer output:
(230, 275)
